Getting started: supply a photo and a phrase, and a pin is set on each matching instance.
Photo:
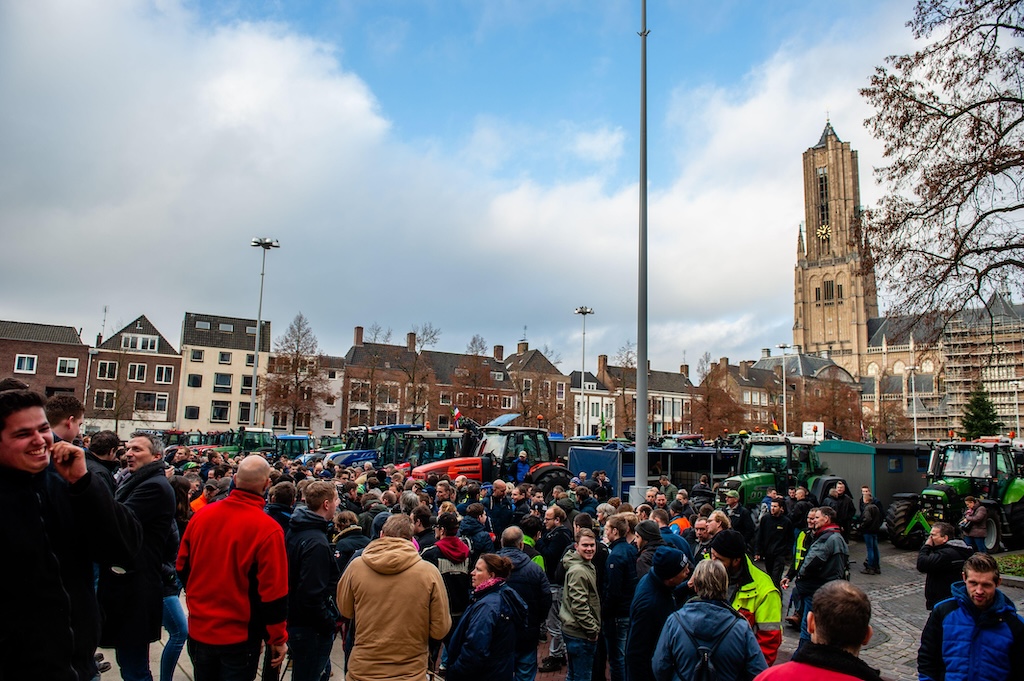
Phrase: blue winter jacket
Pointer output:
(737, 657)
(484, 642)
(480, 541)
(531, 583)
(653, 603)
(960, 643)
(620, 579)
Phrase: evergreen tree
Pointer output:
(980, 416)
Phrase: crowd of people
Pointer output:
(458, 578)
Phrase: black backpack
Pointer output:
(705, 669)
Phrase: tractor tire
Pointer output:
(897, 518)
(994, 533)
(1017, 524)
(547, 482)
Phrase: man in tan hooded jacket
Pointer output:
(398, 602)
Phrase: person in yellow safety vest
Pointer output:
(804, 539)
(751, 592)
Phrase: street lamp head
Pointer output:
(783, 346)
(584, 310)
(265, 243)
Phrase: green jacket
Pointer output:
(580, 611)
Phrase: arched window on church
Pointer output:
(898, 367)
(872, 369)
(927, 367)
(830, 290)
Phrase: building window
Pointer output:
(359, 392)
(67, 366)
(251, 330)
(227, 328)
(104, 400)
(137, 372)
(195, 380)
(106, 371)
(560, 391)
(133, 341)
(220, 411)
(302, 420)
(817, 294)
(822, 196)
(280, 419)
(191, 413)
(830, 289)
(250, 359)
(25, 364)
(507, 402)
(164, 374)
(328, 425)
(839, 291)
(147, 401)
(244, 410)
(224, 358)
(446, 398)
(442, 422)
(246, 385)
(332, 374)
(527, 386)
(329, 400)
(197, 355)
(498, 375)
(222, 383)
(205, 326)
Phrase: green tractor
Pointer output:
(984, 470)
(772, 461)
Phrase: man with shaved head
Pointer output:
(234, 568)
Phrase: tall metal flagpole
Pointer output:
(637, 493)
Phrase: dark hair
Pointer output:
(828, 512)
(346, 519)
(945, 529)
(842, 614)
(582, 494)
(981, 563)
(12, 384)
(499, 566)
(531, 525)
(103, 443)
(182, 488)
(63, 406)
(423, 514)
(12, 401)
(449, 522)
(619, 524)
(283, 493)
(475, 510)
(660, 515)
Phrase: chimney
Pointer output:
(410, 341)
(602, 365)
(99, 339)
(648, 366)
(522, 347)
(358, 340)
(798, 349)
(745, 370)
(724, 363)
(499, 353)
(766, 353)
(684, 369)
(824, 354)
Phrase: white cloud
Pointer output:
(143, 150)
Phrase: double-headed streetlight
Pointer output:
(266, 243)
(585, 422)
(785, 423)
(912, 371)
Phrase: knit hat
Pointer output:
(668, 562)
(648, 530)
(728, 544)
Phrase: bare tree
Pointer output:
(951, 116)
(477, 346)
(417, 373)
(553, 355)
(714, 411)
(837, 405)
(296, 380)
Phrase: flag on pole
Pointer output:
(456, 415)
(775, 424)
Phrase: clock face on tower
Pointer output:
(824, 232)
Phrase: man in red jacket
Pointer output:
(234, 568)
(839, 623)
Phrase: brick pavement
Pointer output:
(898, 616)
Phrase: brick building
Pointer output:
(51, 359)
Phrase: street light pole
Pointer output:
(785, 422)
(585, 421)
(913, 397)
(1016, 405)
(266, 244)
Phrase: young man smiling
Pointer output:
(977, 634)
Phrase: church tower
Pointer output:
(834, 282)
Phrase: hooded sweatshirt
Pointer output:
(389, 577)
(450, 555)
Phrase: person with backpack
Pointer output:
(706, 640)
(450, 555)
(653, 602)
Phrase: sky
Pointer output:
(470, 164)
